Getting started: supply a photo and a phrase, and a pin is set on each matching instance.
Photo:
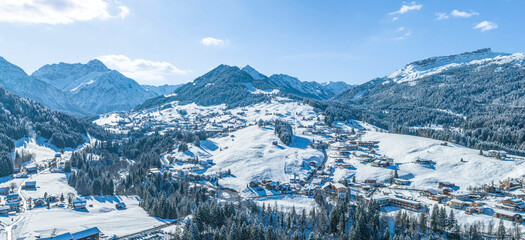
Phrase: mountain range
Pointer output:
(234, 86)
(474, 98)
(92, 88)
(77, 89)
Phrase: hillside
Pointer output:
(474, 98)
(23, 118)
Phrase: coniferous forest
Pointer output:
(21, 117)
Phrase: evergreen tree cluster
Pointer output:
(21, 117)
(95, 171)
(284, 131)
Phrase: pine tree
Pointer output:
(451, 221)
(501, 234)
(442, 219)
(434, 219)
(423, 218)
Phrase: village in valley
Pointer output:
(243, 158)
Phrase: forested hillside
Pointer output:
(20, 117)
(477, 103)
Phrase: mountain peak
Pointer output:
(97, 64)
(254, 73)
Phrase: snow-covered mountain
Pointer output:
(93, 86)
(293, 85)
(162, 89)
(336, 87)
(15, 80)
(434, 65)
(477, 92)
(413, 72)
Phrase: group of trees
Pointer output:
(95, 176)
(22, 157)
(21, 117)
(6, 164)
(284, 131)
(342, 220)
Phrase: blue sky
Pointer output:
(171, 41)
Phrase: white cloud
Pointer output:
(486, 26)
(58, 11)
(143, 71)
(400, 29)
(405, 8)
(209, 41)
(394, 19)
(456, 13)
(441, 16)
(405, 35)
(124, 11)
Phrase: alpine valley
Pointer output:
(435, 150)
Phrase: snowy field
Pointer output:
(287, 202)
(50, 183)
(35, 147)
(41, 221)
(475, 170)
(250, 155)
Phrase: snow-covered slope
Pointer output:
(475, 169)
(93, 86)
(250, 155)
(110, 91)
(254, 73)
(435, 65)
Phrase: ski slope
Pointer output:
(474, 171)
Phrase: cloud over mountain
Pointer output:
(142, 70)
